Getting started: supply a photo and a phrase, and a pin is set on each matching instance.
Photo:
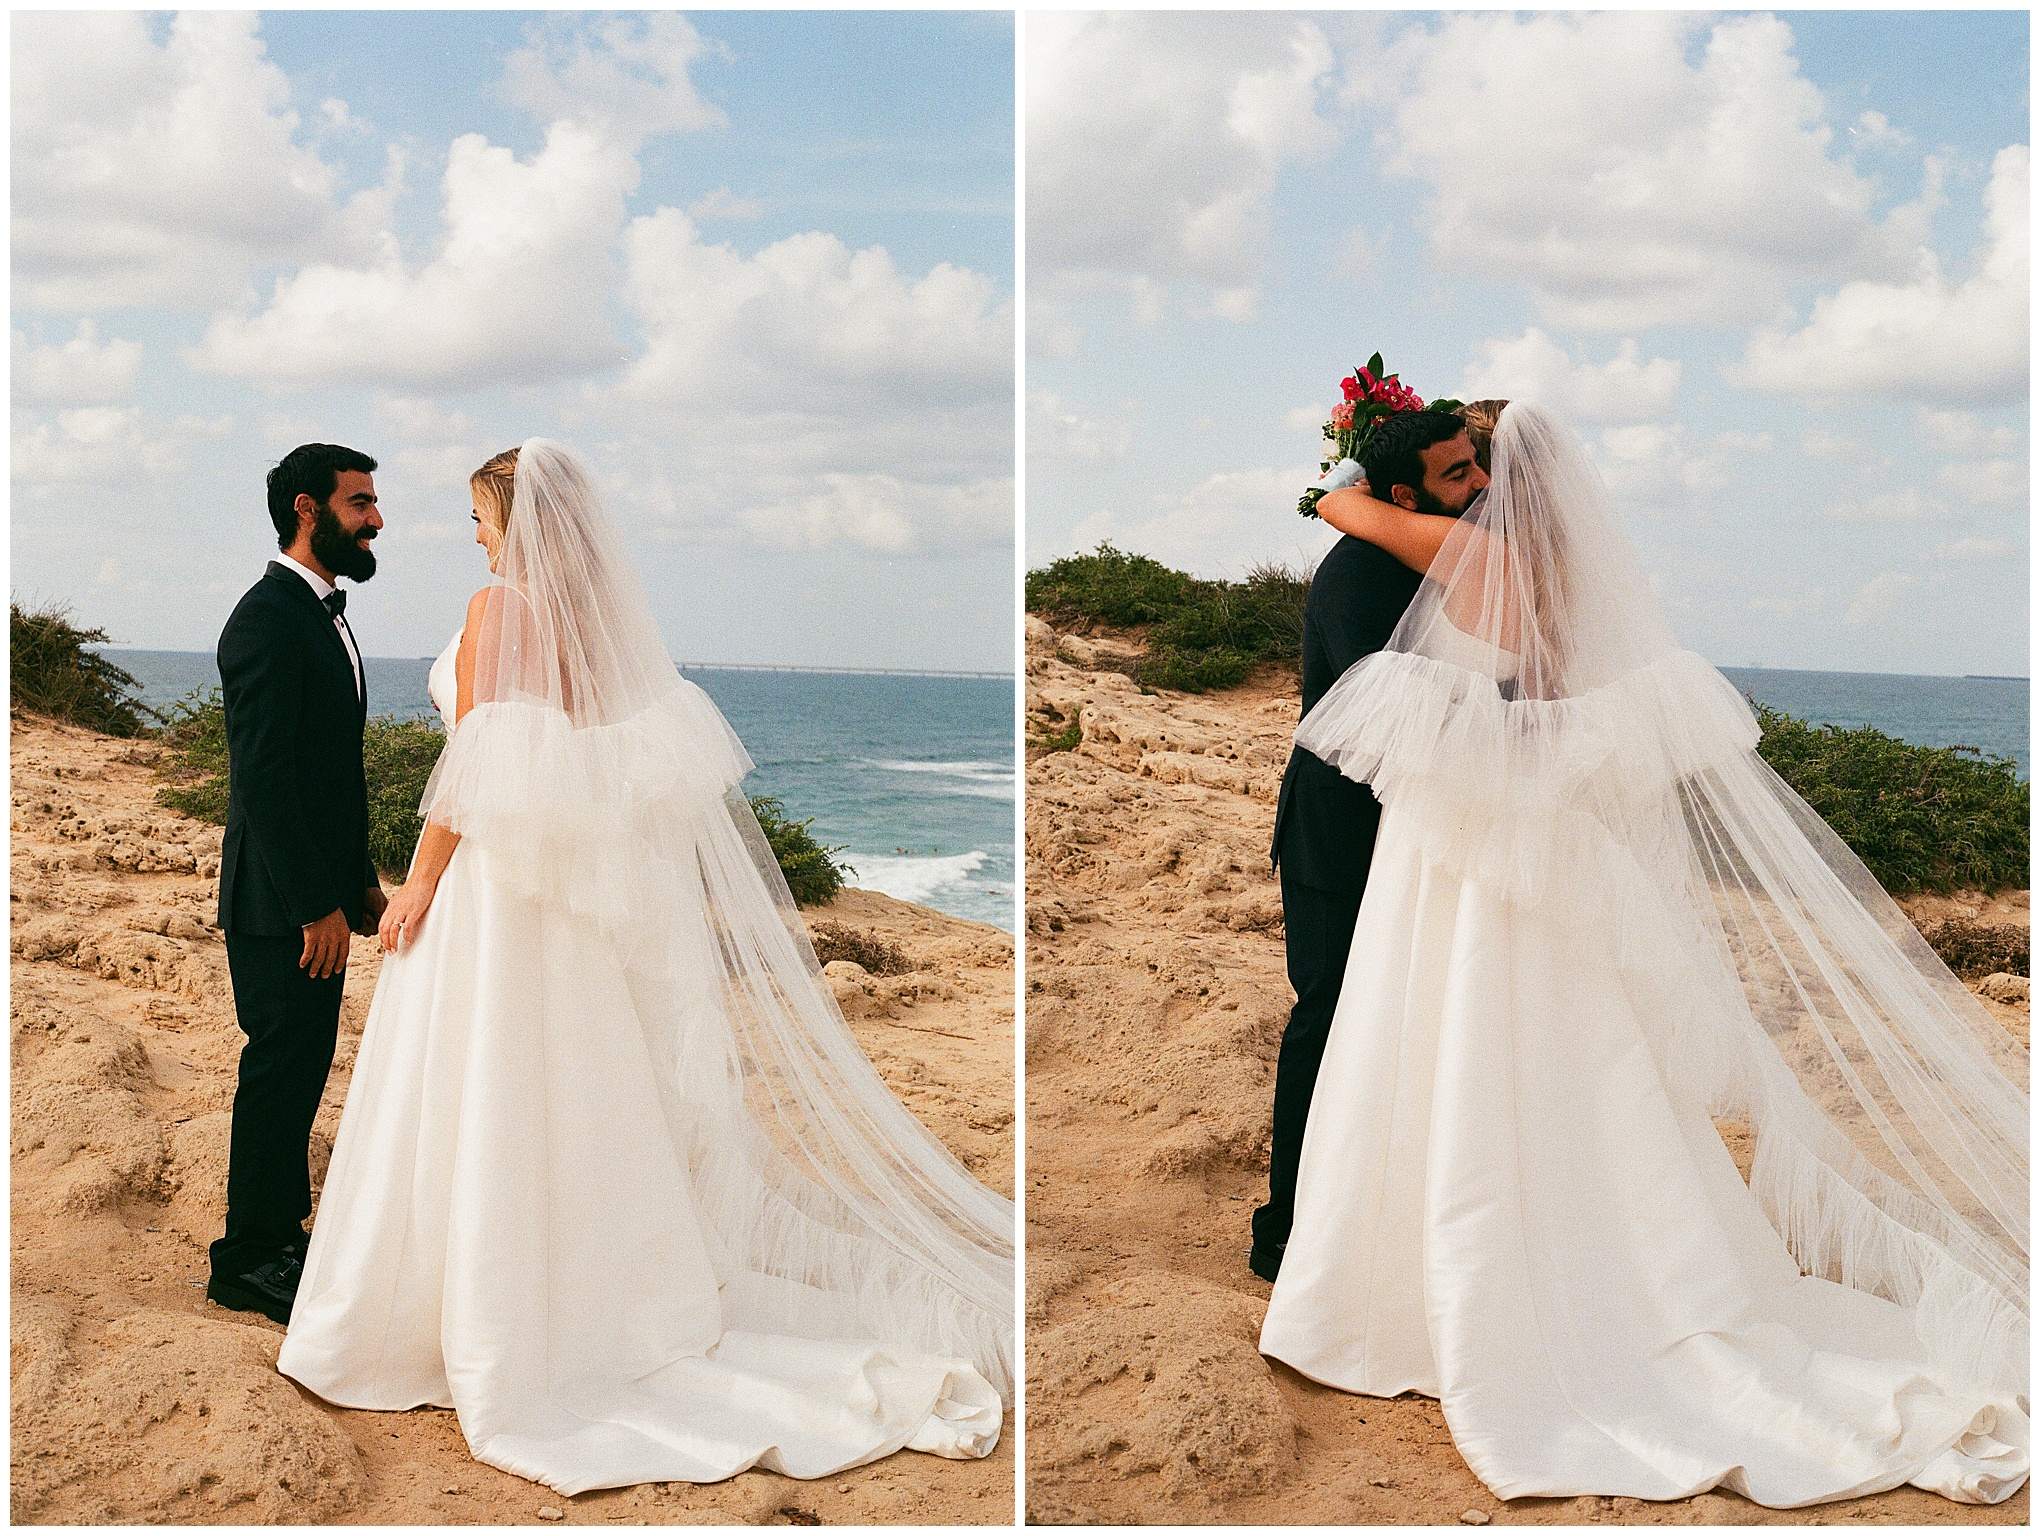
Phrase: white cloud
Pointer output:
(1874, 128)
(1223, 527)
(1803, 603)
(83, 371)
(1973, 549)
(1985, 482)
(157, 175)
(1658, 464)
(514, 293)
(626, 79)
(1055, 431)
(102, 445)
(1831, 447)
(1879, 597)
(1956, 342)
(1628, 183)
(804, 324)
(1964, 432)
(1904, 504)
(722, 203)
(884, 513)
(1534, 367)
(1154, 143)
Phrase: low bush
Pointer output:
(1922, 818)
(1201, 635)
(398, 756)
(1975, 950)
(195, 732)
(837, 941)
(50, 672)
(812, 871)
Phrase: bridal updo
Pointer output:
(493, 485)
(1481, 418)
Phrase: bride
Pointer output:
(613, 1180)
(1596, 922)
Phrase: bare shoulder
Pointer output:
(479, 604)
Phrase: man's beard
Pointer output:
(335, 549)
(1432, 506)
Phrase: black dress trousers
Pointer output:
(1319, 925)
(292, 1023)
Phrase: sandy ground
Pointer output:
(1155, 1003)
(135, 1400)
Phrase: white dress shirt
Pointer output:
(320, 587)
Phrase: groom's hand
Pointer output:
(373, 904)
(326, 944)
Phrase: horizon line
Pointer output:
(698, 666)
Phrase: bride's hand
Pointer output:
(404, 913)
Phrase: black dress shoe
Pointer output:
(270, 1290)
(1266, 1262)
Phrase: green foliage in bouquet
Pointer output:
(1921, 818)
(50, 672)
(1371, 397)
(1201, 635)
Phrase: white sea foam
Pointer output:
(910, 878)
(985, 780)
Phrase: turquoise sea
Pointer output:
(913, 776)
(1993, 714)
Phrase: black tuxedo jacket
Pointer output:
(1325, 822)
(297, 799)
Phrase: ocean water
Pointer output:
(912, 776)
(1989, 713)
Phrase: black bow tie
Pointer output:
(335, 602)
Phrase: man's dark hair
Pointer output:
(310, 469)
(1392, 458)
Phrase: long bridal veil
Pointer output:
(594, 778)
(1578, 761)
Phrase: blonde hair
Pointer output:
(493, 485)
(1481, 418)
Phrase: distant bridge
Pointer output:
(761, 666)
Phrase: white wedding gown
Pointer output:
(1503, 1204)
(508, 1228)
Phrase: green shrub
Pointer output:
(1201, 635)
(398, 756)
(1063, 740)
(195, 732)
(1109, 587)
(812, 874)
(1922, 818)
(51, 673)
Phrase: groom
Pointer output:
(1325, 822)
(295, 875)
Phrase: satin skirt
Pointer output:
(507, 1229)
(1501, 1205)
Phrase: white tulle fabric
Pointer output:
(614, 1179)
(1597, 922)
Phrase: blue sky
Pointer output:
(758, 266)
(1773, 265)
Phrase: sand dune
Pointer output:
(138, 1401)
(1155, 1003)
